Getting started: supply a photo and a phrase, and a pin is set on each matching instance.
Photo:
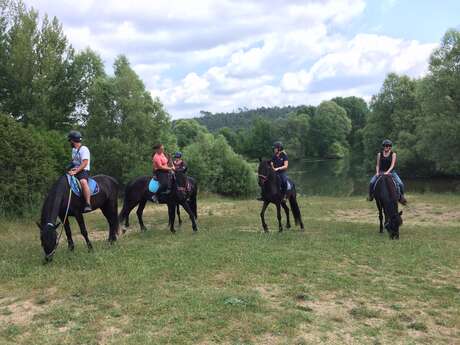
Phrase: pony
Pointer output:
(61, 202)
(183, 193)
(269, 184)
(386, 199)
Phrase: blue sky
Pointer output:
(221, 55)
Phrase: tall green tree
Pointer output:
(186, 131)
(330, 128)
(439, 96)
(358, 111)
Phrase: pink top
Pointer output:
(159, 159)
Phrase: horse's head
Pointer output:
(264, 171)
(395, 222)
(48, 237)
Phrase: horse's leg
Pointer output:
(380, 215)
(178, 215)
(110, 212)
(140, 212)
(262, 215)
(124, 214)
(84, 232)
(68, 234)
(278, 216)
(172, 216)
(286, 210)
(188, 209)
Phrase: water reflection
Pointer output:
(344, 178)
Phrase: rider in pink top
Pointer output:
(161, 170)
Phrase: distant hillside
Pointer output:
(243, 118)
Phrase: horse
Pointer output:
(386, 199)
(61, 202)
(268, 182)
(137, 193)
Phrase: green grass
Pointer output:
(338, 282)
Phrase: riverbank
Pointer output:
(338, 282)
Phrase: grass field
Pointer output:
(339, 282)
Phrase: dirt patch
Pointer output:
(413, 214)
(107, 334)
(271, 294)
(22, 312)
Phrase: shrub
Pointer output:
(218, 168)
(27, 167)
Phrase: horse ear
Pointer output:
(260, 159)
(38, 224)
(400, 213)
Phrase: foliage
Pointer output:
(218, 168)
(186, 131)
(26, 169)
(330, 128)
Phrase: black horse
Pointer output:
(184, 191)
(270, 185)
(57, 204)
(386, 199)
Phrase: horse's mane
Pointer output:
(390, 185)
(51, 198)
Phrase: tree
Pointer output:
(358, 111)
(186, 131)
(329, 129)
(439, 97)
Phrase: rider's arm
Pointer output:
(377, 166)
(284, 167)
(393, 162)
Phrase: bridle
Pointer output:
(57, 225)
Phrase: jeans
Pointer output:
(394, 174)
(283, 180)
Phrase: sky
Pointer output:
(223, 55)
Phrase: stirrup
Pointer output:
(87, 208)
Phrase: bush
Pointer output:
(27, 167)
(218, 168)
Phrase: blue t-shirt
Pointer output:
(278, 161)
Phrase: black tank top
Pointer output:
(385, 162)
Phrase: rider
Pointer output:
(179, 164)
(80, 165)
(161, 170)
(386, 161)
(280, 165)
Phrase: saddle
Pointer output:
(75, 185)
(395, 189)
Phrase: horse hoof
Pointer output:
(71, 248)
(143, 229)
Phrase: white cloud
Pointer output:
(219, 55)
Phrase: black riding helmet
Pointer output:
(74, 136)
(387, 142)
(278, 145)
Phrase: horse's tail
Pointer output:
(193, 201)
(295, 209)
(123, 212)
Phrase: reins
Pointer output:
(63, 222)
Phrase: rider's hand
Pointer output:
(386, 173)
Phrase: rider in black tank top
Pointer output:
(385, 162)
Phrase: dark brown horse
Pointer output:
(386, 199)
(270, 185)
(183, 193)
(61, 202)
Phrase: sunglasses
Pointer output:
(387, 146)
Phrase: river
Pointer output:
(342, 178)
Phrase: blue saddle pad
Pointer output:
(153, 185)
(76, 187)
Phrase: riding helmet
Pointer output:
(74, 136)
(387, 142)
(178, 154)
(278, 145)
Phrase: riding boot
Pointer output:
(87, 208)
(402, 199)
